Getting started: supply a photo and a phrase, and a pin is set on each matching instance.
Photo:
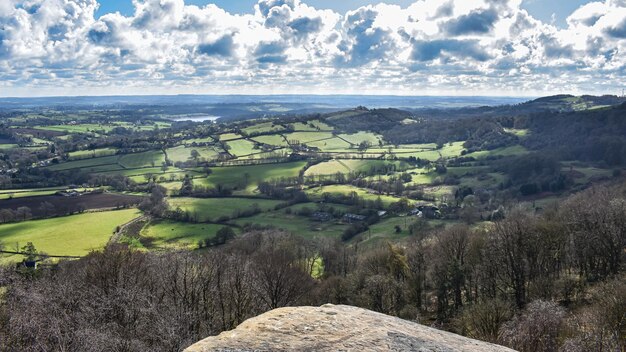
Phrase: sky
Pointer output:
(399, 47)
(540, 9)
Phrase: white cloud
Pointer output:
(432, 46)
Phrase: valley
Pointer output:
(302, 174)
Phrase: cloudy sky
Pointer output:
(402, 47)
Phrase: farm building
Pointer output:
(321, 216)
(350, 218)
(429, 211)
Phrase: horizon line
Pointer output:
(297, 94)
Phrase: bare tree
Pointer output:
(536, 329)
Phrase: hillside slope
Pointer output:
(337, 328)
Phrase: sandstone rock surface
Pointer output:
(337, 328)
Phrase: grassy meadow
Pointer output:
(74, 235)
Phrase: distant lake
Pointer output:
(197, 118)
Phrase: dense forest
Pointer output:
(588, 135)
(594, 135)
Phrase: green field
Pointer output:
(241, 147)
(101, 128)
(150, 158)
(263, 128)
(331, 145)
(346, 165)
(79, 128)
(190, 141)
(330, 167)
(385, 229)
(167, 234)
(276, 153)
(95, 153)
(24, 190)
(423, 178)
(359, 137)
(211, 209)
(229, 136)
(298, 225)
(440, 191)
(306, 137)
(182, 153)
(507, 151)
(73, 235)
(449, 150)
(517, 132)
(487, 180)
(139, 174)
(236, 176)
(321, 125)
(425, 146)
(317, 192)
(313, 125)
(87, 164)
(274, 139)
(452, 149)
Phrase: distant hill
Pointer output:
(337, 328)
(363, 119)
(237, 107)
(555, 103)
(592, 135)
(566, 103)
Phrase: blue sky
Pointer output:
(540, 9)
(422, 47)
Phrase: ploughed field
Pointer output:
(62, 205)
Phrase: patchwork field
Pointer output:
(257, 158)
(111, 163)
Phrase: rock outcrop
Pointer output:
(337, 328)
